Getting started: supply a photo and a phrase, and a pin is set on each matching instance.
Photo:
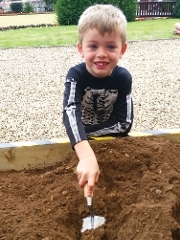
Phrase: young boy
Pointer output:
(97, 96)
(177, 28)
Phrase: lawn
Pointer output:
(152, 29)
(26, 19)
(67, 35)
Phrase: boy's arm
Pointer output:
(87, 168)
(72, 111)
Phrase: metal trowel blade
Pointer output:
(98, 221)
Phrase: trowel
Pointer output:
(92, 221)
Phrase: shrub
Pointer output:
(176, 10)
(128, 7)
(69, 11)
(16, 7)
(27, 8)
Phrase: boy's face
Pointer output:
(101, 53)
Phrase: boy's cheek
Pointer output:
(82, 54)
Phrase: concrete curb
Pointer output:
(44, 153)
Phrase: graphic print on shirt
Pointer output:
(97, 105)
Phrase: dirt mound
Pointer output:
(138, 193)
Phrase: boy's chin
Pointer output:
(100, 74)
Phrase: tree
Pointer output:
(50, 4)
(69, 11)
(27, 8)
(176, 10)
(16, 7)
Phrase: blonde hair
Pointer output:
(106, 18)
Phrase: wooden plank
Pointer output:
(44, 153)
(34, 156)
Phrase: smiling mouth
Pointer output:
(101, 63)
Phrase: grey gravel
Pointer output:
(32, 84)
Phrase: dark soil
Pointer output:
(138, 193)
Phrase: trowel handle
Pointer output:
(88, 198)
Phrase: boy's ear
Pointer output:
(80, 50)
(123, 50)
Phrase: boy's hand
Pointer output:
(87, 168)
(88, 172)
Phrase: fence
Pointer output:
(155, 9)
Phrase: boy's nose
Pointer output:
(101, 53)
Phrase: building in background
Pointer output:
(38, 5)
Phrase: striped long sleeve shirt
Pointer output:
(97, 106)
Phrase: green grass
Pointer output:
(152, 29)
(67, 35)
(35, 37)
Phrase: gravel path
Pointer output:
(32, 83)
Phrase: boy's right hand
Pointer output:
(87, 168)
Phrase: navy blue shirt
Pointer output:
(97, 106)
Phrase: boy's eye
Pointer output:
(93, 46)
(111, 47)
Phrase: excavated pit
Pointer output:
(138, 193)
